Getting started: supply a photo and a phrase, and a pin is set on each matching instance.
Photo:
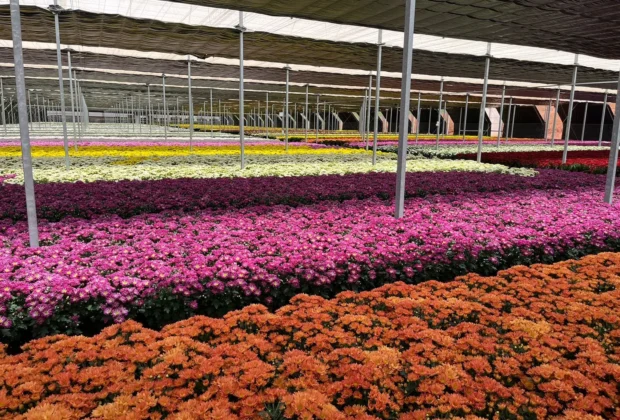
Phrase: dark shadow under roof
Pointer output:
(113, 31)
(580, 26)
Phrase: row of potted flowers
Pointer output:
(539, 342)
(451, 151)
(56, 201)
(147, 167)
(163, 267)
(593, 161)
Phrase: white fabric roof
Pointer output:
(223, 18)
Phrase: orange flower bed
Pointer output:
(539, 342)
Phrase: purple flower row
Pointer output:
(130, 198)
(109, 269)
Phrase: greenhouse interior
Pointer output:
(261, 209)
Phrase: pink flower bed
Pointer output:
(161, 268)
(130, 198)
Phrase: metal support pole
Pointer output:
(465, 118)
(547, 121)
(56, 10)
(150, 116)
(404, 103)
(286, 123)
(570, 110)
(20, 88)
(30, 110)
(324, 115)
(555, 117)
(211, 110)
(585, 120)
(38, 110)
(163, 84)
(514, 118)
(603, 115)
(417, 131)
(377, 96)
(191, 105)
(439, 114)
(140, 114)
(362, 122)
(483, 104)
(318, 97)
(508, 121)
(72, 102)
(501, 116)
(241, 30)
(133, 116)
(307, 124)
(368, 105)
(267, 117)
(613, 154)
(2, 106)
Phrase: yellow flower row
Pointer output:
(163, 151)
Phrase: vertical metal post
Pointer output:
(417, 131)
(267, 117)
(368, 105)
(211, 110)
(377, 96)
(71, 94)
(483, 104)
(324, 114)
(465, 118)
(404, 103)
(514, 118)
(241, 30)
(163, 84)
(329, 120)
(191, 105)
(439, 113)
(318, 97)
(2, 106)
(286, 122)
(570, 110)
(20, 88)
(508, 121)
(603, 115)
(133, 116)
(56, 10)
(362, 119)
(30, 110)
(38, 110)
(150, 116)
(445, 120)
(585, 120)
(501, 116)
(613, 153)
(547, 121)
(555, 117)
(140, 113)
(307, 124)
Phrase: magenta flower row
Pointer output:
(114, 267)
(130, 198)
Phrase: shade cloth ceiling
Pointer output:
(580, 26)
(101, 30)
